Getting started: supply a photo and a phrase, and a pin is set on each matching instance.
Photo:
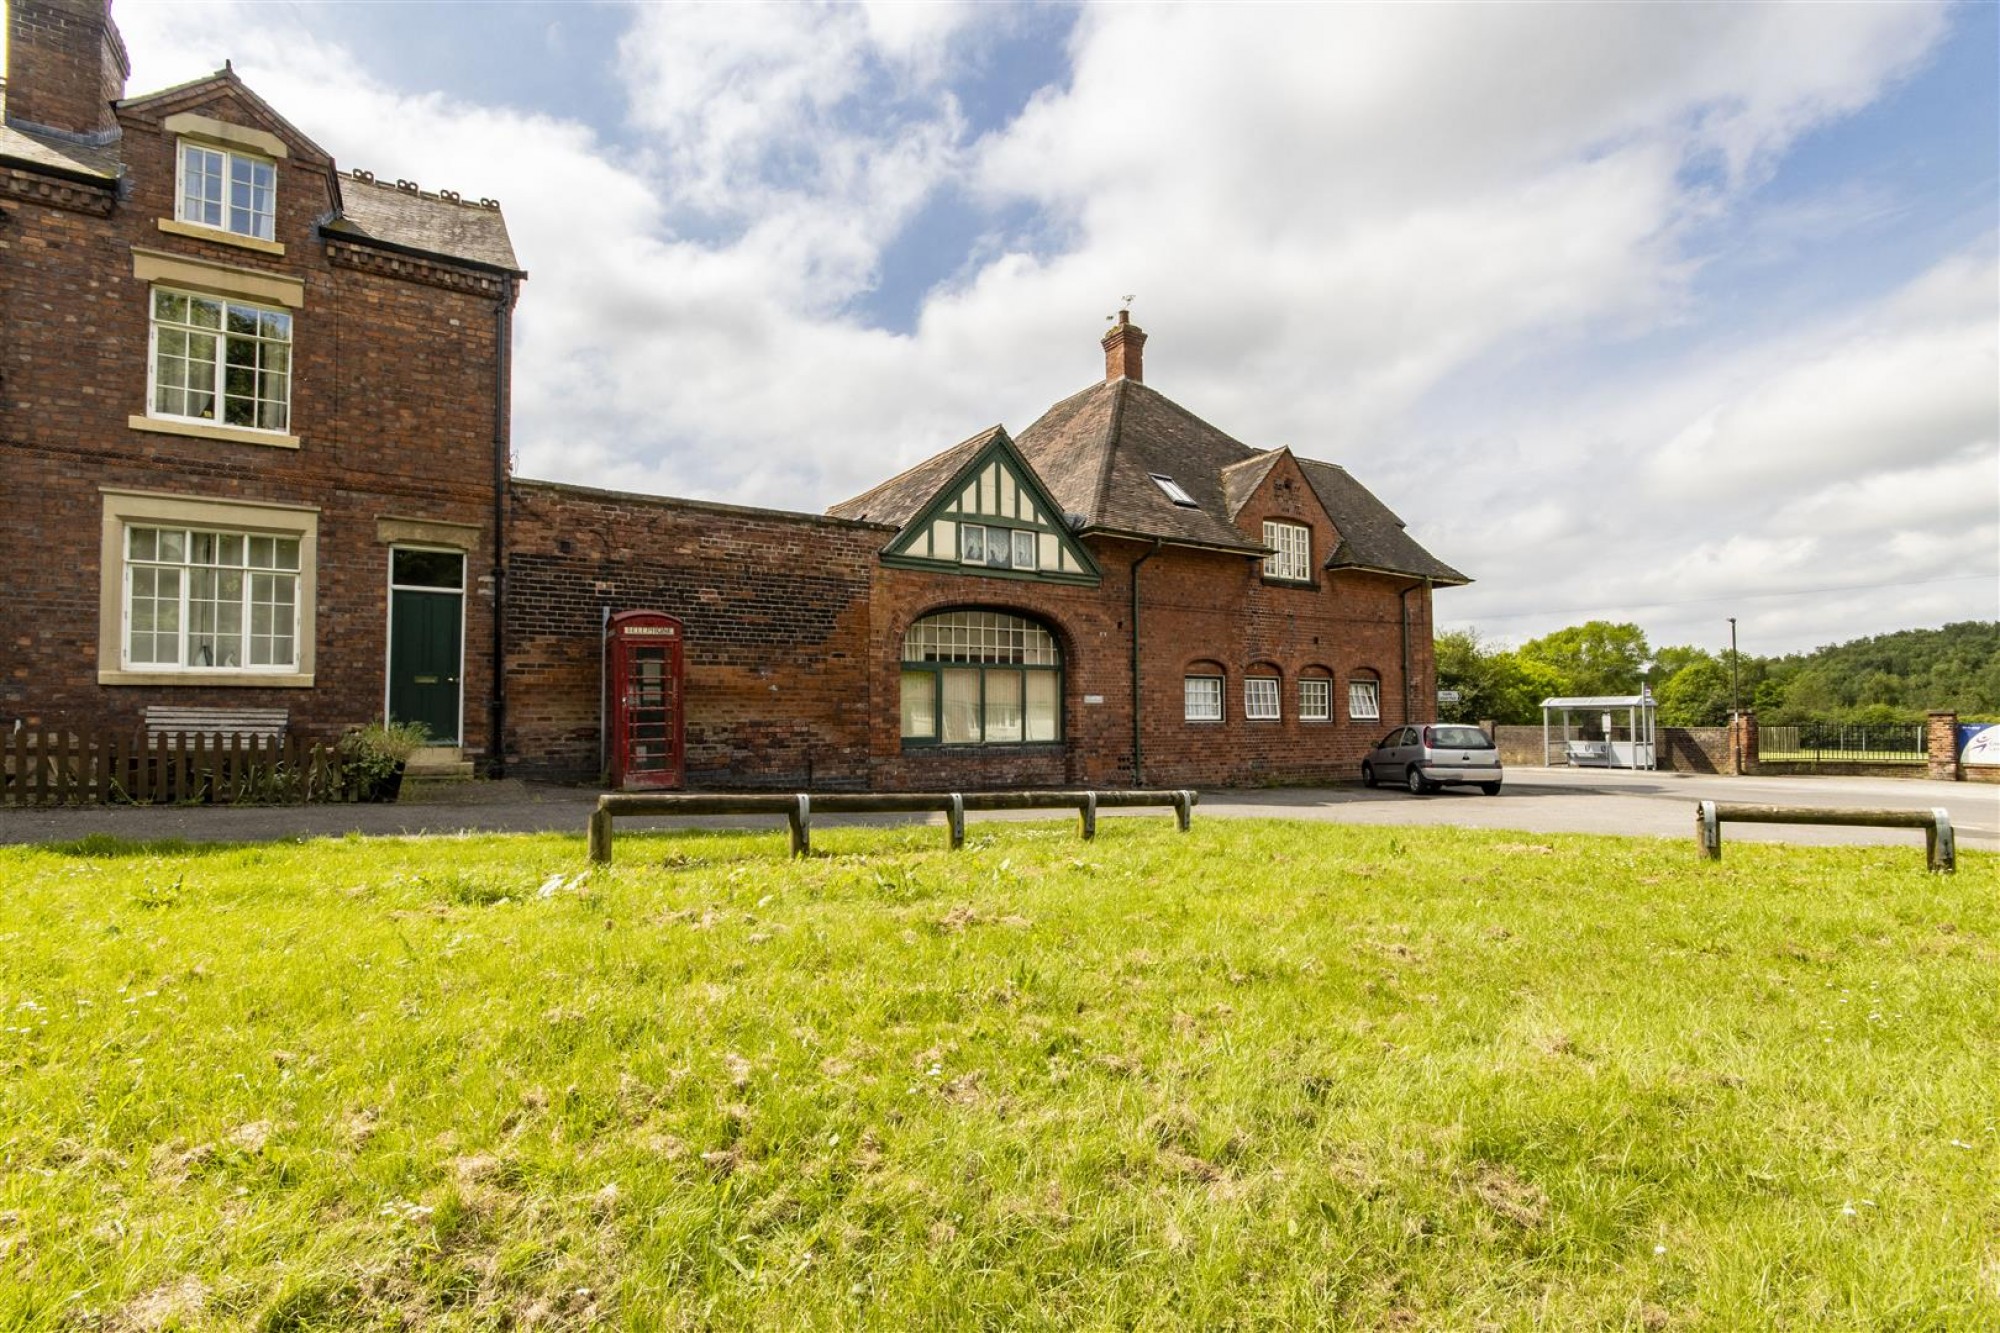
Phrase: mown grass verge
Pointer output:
(1259, 1075)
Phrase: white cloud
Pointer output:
(1329, 213)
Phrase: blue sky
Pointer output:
(1660, 312)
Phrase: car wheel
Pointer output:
(1414, 780)
(1490, 788)
(1368, 775)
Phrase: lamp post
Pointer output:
(1735, 703)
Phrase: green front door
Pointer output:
(426, 621)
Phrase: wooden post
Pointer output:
(1184, 808)
(600, 835)
(800, 818)
(1940, 843)
(1940, 846)
(955, 816)
(1088, 812)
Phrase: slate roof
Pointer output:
(1097, 451)
(52, 152)
(1371, 536)
(897, 500)
(374, 210)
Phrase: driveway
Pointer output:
(1536, 800)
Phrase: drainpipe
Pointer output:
(503, 343)
(1403, 601)
(1138, 779)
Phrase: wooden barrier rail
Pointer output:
(799, 809)
(1940, 847)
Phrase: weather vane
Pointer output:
(1124, 305)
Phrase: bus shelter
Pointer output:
(1600, 731)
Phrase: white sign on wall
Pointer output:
(1979, 746)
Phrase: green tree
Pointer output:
(1518, 686)
(1671, 661)
(1596, 657)
(1696, 696)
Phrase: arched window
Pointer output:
(1315, 694)
(1263, 688)
(1364, 696)
(981, 678)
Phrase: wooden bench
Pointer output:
(1940, 847)
(798, 809)
(264, 723)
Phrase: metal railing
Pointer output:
(1842, 742)
(799, 809)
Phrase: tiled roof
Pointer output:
(57, 153)
(1098, 451)
(419, 220)
(1241, 480)
(1371, 536)
(898, 499)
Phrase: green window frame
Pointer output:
(976, 678)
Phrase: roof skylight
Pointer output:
(1173, 490)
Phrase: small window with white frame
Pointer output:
(1364, 700)
(1260, 698)
(228, 190)
(1315, 699)
(1203, 695)
(1290, 560)
(221, 361)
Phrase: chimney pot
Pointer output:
(1124, 349)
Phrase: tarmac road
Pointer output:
(1535, 800)
(1564, 800)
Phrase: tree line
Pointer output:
(1885, 678)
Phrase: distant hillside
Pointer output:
(1886, 678)
(1906, 673)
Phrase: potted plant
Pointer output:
(372, 758)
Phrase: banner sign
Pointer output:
(1979, 744)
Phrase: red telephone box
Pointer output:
(642, 650)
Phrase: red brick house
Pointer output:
(254, 463)
(253, 410)
(1122, 594)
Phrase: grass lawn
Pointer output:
(1258, 1075)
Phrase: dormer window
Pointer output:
(1174, 490)
(228, 190)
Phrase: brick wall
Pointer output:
(1694, 749)
(795, 631)
(65, 64)
(775, 606)
(392, 401)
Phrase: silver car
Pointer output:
(1426, 758)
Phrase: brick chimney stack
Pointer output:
(1124, 348)
(66, 65)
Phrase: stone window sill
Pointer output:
(196, 231)
(202, 430)
(284, 680)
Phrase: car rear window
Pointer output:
(1456, 738)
